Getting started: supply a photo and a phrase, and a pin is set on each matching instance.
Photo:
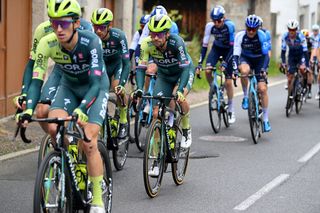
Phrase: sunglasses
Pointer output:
(292, 30)
(64, 24)
(100, 27)
(249, 29)
(159, 35)
(217, 21)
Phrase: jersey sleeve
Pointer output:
(125, 59)
(303, 42)
(207, 33)
(184, 63)
(135, 40)
(95, 74)
(237, 43)
(144, 34)
(264, 42)
(143, 61)
(283, 42)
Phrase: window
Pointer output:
(301, 21)
(313, 18)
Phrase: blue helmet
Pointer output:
(158, 10)
(217, 13)
(144, 19)
(253, 21)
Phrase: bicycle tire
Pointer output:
(214, 114)
(43, 150)
(289, 106)
(298, 100)
(107, 176)
(130, 116)
(179, 172)
(153, 187)
(253, 120)
(38, 203)
(138, 128)
(119, 155)
(225, 115)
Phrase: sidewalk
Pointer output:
(35, 133)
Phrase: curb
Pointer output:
(27, 151)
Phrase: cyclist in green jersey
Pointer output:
(49, 88)
(175, 66)
(84, 85)
(116, 58)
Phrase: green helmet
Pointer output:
(159, 23)
(63, 8)
(102, 16)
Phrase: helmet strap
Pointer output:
(74, 31)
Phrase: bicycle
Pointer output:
(163, 147)
(315, 69)
(109, 133)
(62, 182)
(217, 104)
(143, 116)
(254, 109)
(296, 95)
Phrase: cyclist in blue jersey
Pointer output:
(298, 52)
(223, 31)
(315, 40)
(305, 32)
(251, 53)
(268, 34)
(83, 88)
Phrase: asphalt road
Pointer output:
(226, 173)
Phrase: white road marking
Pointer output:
(264, 190)
(310, 154)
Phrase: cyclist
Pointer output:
(223, 31)
(83, 88)
(305, 32)
(174, 64)
(268, 35)
(315, 39)
(50, 86)
(116, 58)
(298, 52)
(251, 52)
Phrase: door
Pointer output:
(2, 59)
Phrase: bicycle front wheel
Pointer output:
(179, 168)
(46, 146)
(153, 160)
(140, 127)
(253, 119)
(225, 115)
(214, 112)
(51, 182)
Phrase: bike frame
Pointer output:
(253, 88)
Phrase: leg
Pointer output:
(263, 90)
(42, 112)
(244, 70)
(152, 70)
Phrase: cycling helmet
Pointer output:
(159, 23)
(293, 24)
(102, 16)
(144, 19)
(217, 13)
(158, 10)
(253, 21)
(305, 32)
(63, 8)
(315, 27)
(261, 21)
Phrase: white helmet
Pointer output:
(315, 27)
(293, 24)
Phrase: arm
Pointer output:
(283, 49)
(142, 65)
(237, 49)
(305, 48)
(184, 63)
(134, 43)
(125, 60)
(205, 41)
(27, 76)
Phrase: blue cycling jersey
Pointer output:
(296, 45)
(174, 28)
(251, 47)
(268, 35)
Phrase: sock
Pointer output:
(96, 190)
(265, 114)
(230, 105)
(245, 92)
(123, 115)
(185, 121)
(309, 87)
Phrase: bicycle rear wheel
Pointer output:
(154, 155)
(120, 154)
(46, 146)
(289, 106)
(253, 120)
(130, 117)
(140, 127)
(214, 112)
(179, 168)
(225, 115)
(50, 182)
(298, 99)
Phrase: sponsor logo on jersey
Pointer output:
(182, 54)
(124, 46)
(94, 57)
(84, 41)
(80, 55)
(165, 61)
(75, 68)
